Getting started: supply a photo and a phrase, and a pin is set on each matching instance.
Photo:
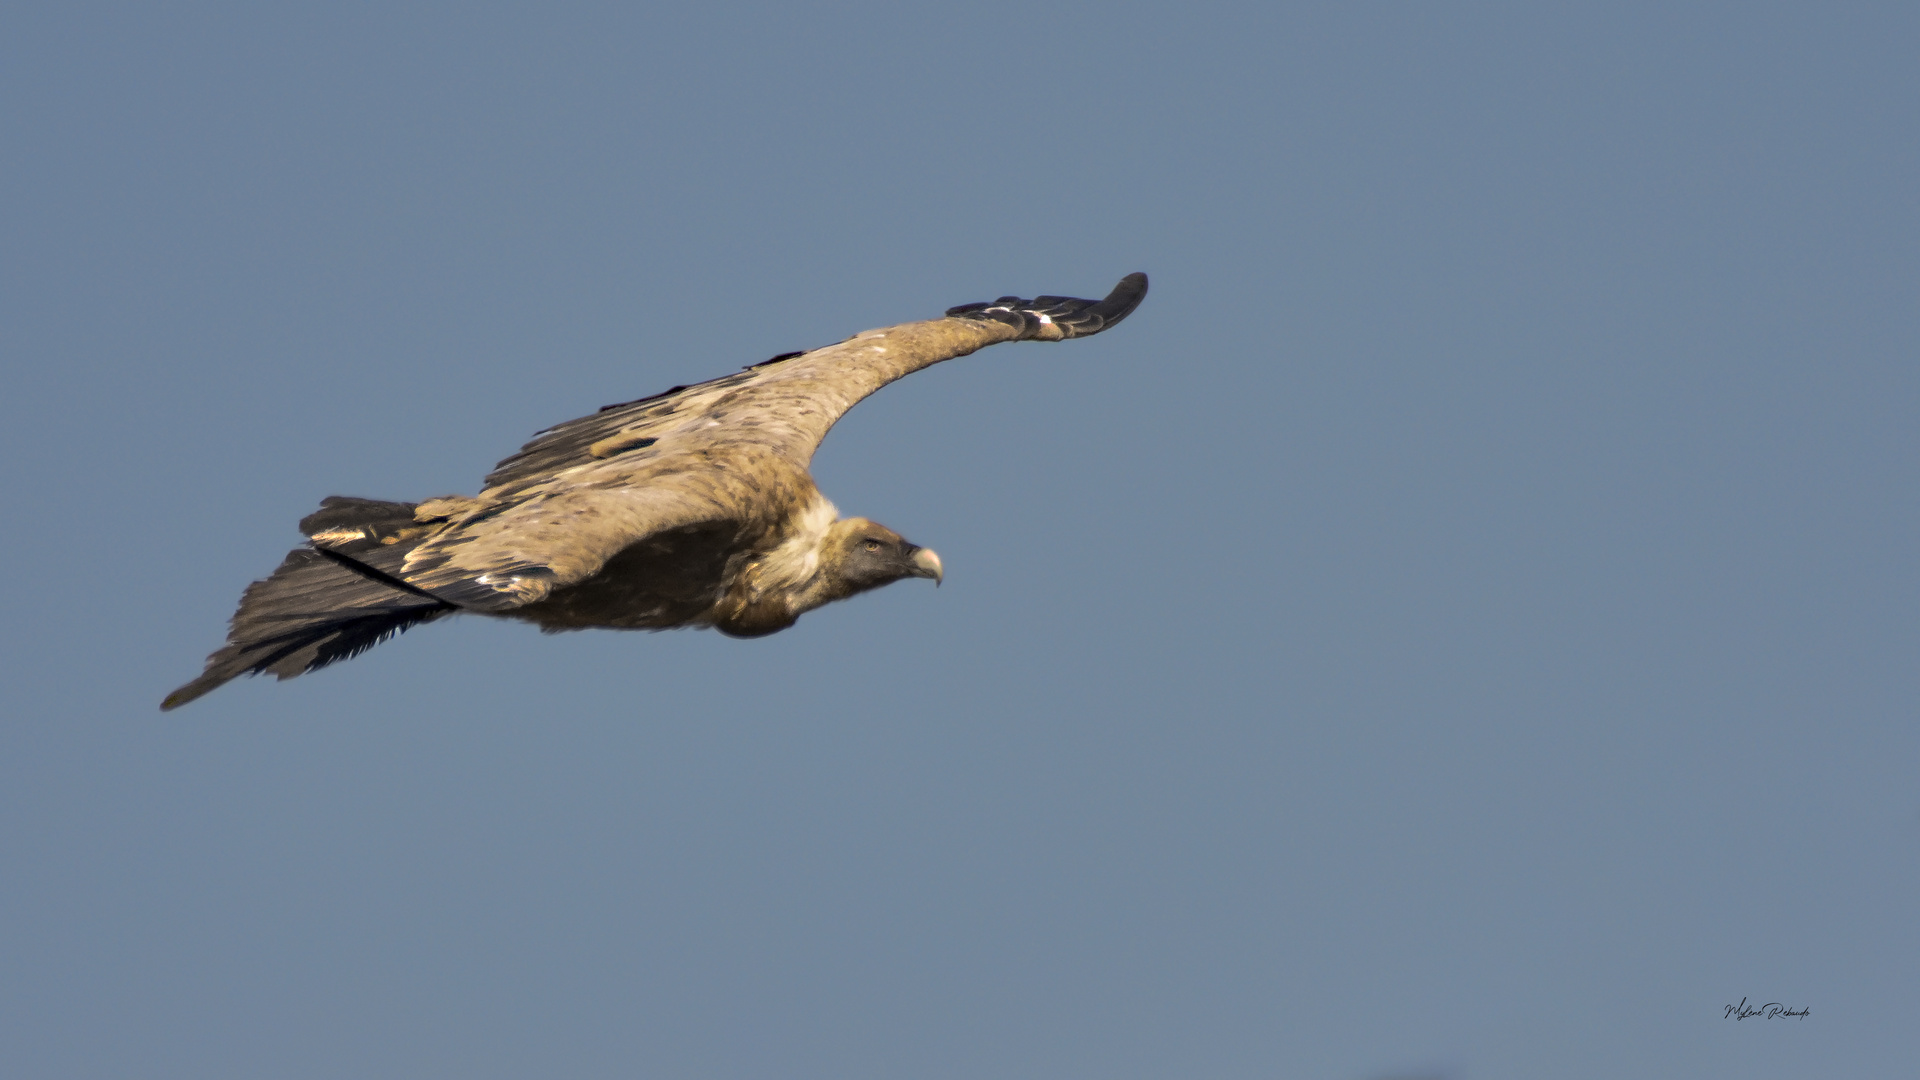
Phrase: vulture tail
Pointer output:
(327, 602)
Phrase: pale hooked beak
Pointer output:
(927, 564)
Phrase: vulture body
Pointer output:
(690, 508)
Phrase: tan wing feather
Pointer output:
(735, 449)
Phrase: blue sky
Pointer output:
(1460, 626)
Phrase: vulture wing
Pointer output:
(731, 451)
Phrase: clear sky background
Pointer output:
(1462, 625)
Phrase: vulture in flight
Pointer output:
(692, 507)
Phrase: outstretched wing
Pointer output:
(791, 400)
(732, 450)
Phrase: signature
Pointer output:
(1772, 1010)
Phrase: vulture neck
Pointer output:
(773, 591)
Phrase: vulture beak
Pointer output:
(927, 564)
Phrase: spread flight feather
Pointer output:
(689, 508)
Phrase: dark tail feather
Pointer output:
(351, 525)
(320, 606)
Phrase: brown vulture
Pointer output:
(688, 508)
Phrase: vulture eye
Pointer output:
(872, 545)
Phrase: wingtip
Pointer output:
(1123, 299)
(1056, 318)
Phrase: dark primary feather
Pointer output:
(1074, 317)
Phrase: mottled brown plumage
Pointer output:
(688, 508)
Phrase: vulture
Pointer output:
(690, 508)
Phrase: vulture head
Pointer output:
(849, 557)
(859, 555)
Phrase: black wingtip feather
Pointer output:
(1070, 316)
